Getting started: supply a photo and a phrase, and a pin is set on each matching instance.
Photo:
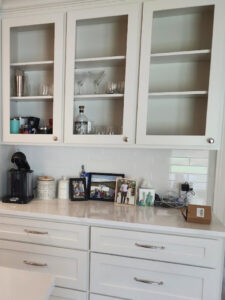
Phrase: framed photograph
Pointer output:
(126, 191)
(78, 189)
(102, 186)
(146, 197)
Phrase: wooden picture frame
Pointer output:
(126, 191)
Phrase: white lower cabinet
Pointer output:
(70, 267)
(67, 294)
(139, 279)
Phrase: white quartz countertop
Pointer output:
(102, 213)
(24, 285)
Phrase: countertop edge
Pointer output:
(116, 224)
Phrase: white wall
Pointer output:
(164, 169)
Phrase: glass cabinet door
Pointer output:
(33, 78)
(177, 99)
(101, 81)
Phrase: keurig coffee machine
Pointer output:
(20, 181)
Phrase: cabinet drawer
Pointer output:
(69, 266)
(185, 250)
(65, 294)
(45, 233)
(139, 279)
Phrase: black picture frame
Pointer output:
(102, 194)
(77, 194)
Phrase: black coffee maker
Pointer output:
(20, 181)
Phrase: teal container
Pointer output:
(14, 126)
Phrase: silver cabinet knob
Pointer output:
(211, 140)
(55, 138)
(125, 139)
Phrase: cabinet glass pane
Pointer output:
(99, 75)
(179, 71)
(31, 79)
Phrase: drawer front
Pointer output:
(69, 266)
(45, 233)
(65, 294)
(138, 279)
(185, 250)
(100, 297)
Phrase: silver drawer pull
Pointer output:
(148, 281)
(149, 246)
(35, 231)
(33, 263)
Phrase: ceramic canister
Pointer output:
(63, 188)
(46, 188)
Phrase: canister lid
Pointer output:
(46, 178)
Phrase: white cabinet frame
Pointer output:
(131, 73)
(7, 24)
(216, 89)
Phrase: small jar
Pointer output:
(46, 188)
(63, 188)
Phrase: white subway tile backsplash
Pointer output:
(190, 153)
(201, 162)
(165, 170)
(188, 169)
(182, 161)
(198, 178)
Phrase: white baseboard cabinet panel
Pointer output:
(138, 279)
(70, 267)
(67, 294)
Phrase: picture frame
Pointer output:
(102, 186)
(77, 189)
(146, 197)
(126, 192)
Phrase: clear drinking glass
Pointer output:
(80, 78)
(97, 78)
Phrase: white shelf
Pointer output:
(181, 56)
(95, 62)
(37, 65)
(27, 98)
(97, 96)
(185, 94)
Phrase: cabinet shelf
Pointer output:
(97, 96)
(34, 98)
(37, 65)
(185, 94)
(95, 62)
(181, 56)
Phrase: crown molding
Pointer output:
(10, 6)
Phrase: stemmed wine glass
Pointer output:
(80, 78)
(97, 79)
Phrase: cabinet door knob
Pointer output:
(125, 139)
(55, 138)
(211, 140)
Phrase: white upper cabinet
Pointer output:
(101, 74)
(32, 65)
(181, 74)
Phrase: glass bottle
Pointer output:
(81, 122)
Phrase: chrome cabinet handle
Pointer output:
(33, 263)
(125, 139)
(148, 281)
(149, 246)
(35, 231)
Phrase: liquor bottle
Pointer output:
(81, 122)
